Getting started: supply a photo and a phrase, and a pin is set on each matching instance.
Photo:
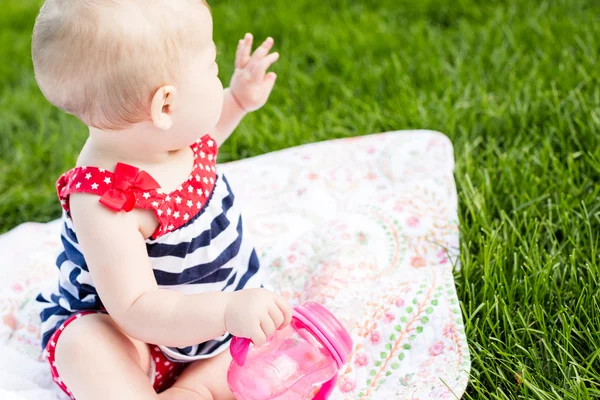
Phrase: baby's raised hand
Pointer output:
(256, 314)
(251, 85)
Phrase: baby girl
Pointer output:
(157, 272)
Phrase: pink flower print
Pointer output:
(346, 385)
(399, 302)
(313, 176)
(371, 176)
(436, 349)
(427, 363)
(418, 262)
(389, 317)
(412, 221)
(448, 330)
(442, 256)
(277, 263)
(291, 258)
(424, 373)
(10, 321)
(398, 207)
(371, 150)
(361, 360)
(17, 287)
(375, 337)
(362, 238)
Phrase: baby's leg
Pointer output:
(202, 380)
(97, 361)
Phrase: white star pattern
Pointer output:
(179, 208)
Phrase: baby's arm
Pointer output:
(250, 86)
(116, 256)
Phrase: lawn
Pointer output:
(513, 83)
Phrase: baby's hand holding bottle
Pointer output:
(256, 314)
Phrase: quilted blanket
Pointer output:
(366, 226)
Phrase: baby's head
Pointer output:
(116, 63)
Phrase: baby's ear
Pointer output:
(161, 107)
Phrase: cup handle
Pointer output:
(326, 389)
(239, 349)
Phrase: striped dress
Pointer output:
(198, 247)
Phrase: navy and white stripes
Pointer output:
(210, 253)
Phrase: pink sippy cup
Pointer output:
(300, 361)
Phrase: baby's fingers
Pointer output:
(242, 54)
(282, 303)
(260, 68)
(258, 337)
(268, 327)
(261, 52)
(277, 316)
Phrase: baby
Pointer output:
(156, 274)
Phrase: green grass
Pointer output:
(513, 83)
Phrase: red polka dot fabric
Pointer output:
(173, 210)
(164, 372)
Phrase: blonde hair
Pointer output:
(102, 60)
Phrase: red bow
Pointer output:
(121, 197)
